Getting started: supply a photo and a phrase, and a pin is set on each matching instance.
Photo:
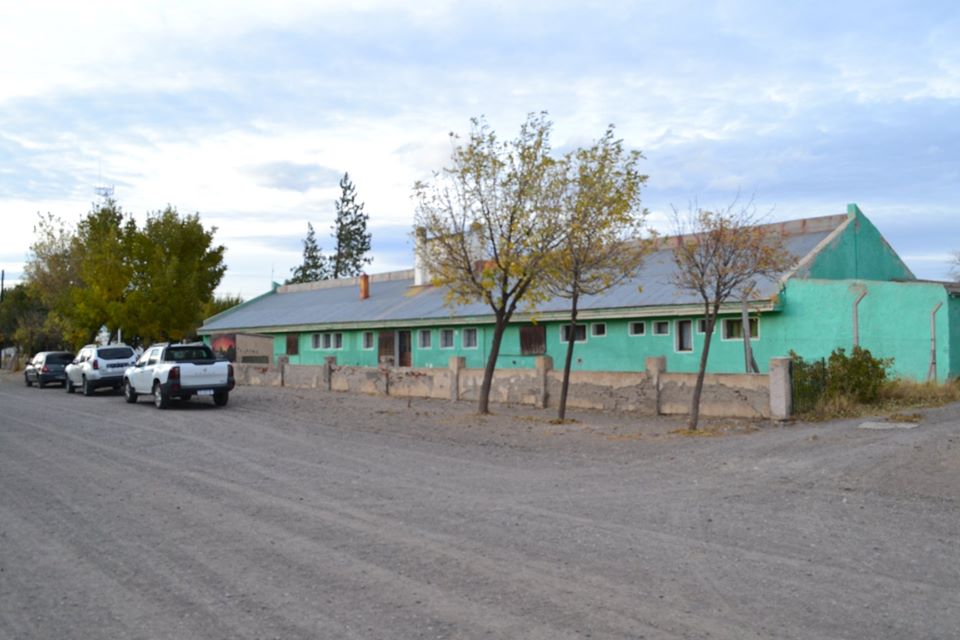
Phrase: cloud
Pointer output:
(294, 176)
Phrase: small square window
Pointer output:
(702, 325)
(638, 328)
(368, 339)
(733, 329)
(315, 341)
(338, 341)
(598, 329)
(424, 338)
(661, 328)
(469, 338)
(580, 333)
(325, 341)
(446, 338)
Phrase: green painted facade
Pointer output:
(858, 252)
(893, 318)
(812, 315)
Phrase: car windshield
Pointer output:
(59, 358)
(116, 353)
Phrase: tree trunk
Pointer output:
(483, 402)
(571, 341)
(694, 418)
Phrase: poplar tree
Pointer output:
(491, 220)
(602, 246)
(350, 233)
(315, 265)
(717, 255)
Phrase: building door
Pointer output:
(385, 347)
(404, 354)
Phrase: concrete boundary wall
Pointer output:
(651, 392)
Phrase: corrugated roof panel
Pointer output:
(397, 300)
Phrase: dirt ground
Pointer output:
(296, 513)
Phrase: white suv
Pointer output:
(99, 366)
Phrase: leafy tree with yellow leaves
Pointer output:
(718, 254)
(492, 219)
(602, 243)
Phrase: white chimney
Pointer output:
(421, 276)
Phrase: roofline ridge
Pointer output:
(352, 281)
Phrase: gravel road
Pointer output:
(305, 514)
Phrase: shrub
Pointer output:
(834, 385)
(858, 375)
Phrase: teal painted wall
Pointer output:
(858, 253)
(615, 351)
(894, 319)
(816, 318)
(953, 313)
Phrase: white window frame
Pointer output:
(338, 341)
(723, 329)
(593, 330)
(659, 323)
(643, 328)
(476, 338)
(453, 338)
(702, 325)
(424, 333)
(676, 333)
(366, 335)
(315, 341)
(325, 341)
(563, 335)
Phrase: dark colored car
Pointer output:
(47, 367)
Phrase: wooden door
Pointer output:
(405, 355)
(385, 347)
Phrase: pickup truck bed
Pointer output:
(179, 372)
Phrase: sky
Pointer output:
(248, 113)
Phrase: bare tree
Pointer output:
(491, 220)
(717, 255)
(603, 219)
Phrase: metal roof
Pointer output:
(393, 298)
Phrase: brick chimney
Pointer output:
(364, 286)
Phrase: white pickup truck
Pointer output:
(178, 371)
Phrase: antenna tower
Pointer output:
(102, 190)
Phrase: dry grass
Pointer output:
(895, 396)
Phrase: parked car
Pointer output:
(46, 367)
(99, 366)
(178, 371)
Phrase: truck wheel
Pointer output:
(87, 387)
(128, 393)
(68, 385)
(220, 398)
(160, 399)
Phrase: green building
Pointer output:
(847, 287)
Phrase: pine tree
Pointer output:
(315, 265)
(350, 233)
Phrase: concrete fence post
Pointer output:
(654, 366)
(544, 366)
(456, 364)
(329, 362)
(781, 396)
(282, 365)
